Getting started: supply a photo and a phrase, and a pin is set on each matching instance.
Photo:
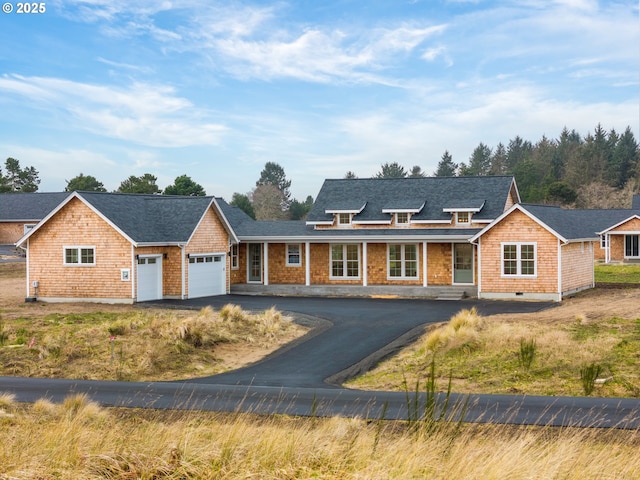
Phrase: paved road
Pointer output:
(293, 381)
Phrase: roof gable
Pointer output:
(567, 225)
(143, 219)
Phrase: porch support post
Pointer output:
(182, 280)
(364, 264)
(425, 283)
(607, 251)
(307, 264)
(266, 263)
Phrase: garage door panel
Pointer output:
(149, 279)
(207, 275)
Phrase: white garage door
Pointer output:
(207, 275)
(149, 278)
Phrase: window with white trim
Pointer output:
(234, 256)
(344, 219)
(519, 259)
(345, 261)
(78, 256)
(402, 261)
(463, 218)
(294, 258)
(402, 218)
(631, 246)
(603, 241)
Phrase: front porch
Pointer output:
(442, 292)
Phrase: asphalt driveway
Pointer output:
(351, 335)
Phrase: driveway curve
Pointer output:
(351, 335)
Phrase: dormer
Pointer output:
(462, 212)
(402, 211)
(343, 215)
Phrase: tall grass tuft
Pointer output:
(588, 376)
(460, 332)
(527, 352)
(433, 410)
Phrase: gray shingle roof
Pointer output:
(578, 224)
(246, 228)
(28, 206)
(151, 218)
(436, 192)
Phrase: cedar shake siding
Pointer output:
(517, 228)
(77, 225)
(11, 232)
(577, 267)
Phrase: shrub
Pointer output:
(588, 376)
(527, 352)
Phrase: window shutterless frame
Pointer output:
(519, 259)
(79, 255)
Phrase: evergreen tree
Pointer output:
(273, 174)
(391, 170)
(243, 202)
(624, 160)
(499, 160)
(446, 166)
(517, 151)
(479, 162)
(18, 179)
(350, 175)
(416, 172)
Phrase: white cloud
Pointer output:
(141, 113)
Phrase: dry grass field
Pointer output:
(125, 342)
(80, 439)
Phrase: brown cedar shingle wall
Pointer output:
(11, 232)
(77, 225)
(577, 266)
(517, 227)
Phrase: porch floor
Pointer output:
(443, 292)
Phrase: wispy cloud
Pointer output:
(141, 113)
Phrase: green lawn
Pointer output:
(617, 273)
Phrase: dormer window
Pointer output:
(344, 219)
(402, 218)
(463, 218)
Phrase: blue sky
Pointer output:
(215, 89)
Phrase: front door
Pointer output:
(462, 263)
(254, 264)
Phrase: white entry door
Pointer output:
(207, 275)
(149, 278)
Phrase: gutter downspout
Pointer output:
(182, 273)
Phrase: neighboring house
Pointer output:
(412, 237)
(21, 211)
(402, 236)
(121, 248)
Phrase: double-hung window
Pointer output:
(294, 258)
(519, 259)
(345, 261)
(403, 261)
(79, 256)
(631, 247)
(603, 241)
(463, 218)
(402, 218)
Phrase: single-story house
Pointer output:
(422, 237)
(121, 248)
(21, 211)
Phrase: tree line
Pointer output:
(599, 170)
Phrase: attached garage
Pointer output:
(149, 278)
(207, 275)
